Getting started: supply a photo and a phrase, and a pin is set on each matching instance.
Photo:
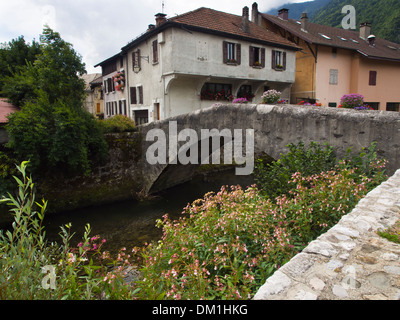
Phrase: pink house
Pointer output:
(335, 61)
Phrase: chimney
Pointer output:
(151, 27)
(254, 13)
(304, 21)
(160, 19)
(365, 30)
(245, 20)
(371, 40)
(283, 14)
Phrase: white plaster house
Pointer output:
(196, 59)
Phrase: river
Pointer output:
(132, 223)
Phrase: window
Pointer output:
(278, 60)
(141, 116)
(257, 57)
(109, 85)
(155, 51)
(392, 106)
(373, 105)
(122, 107)
(216, 91)
(333, 76)
(133, 95)
(245, 91)
(372, 78)
(231, 52)
(136, 60)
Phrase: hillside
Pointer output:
(384, 15)
(296, 9)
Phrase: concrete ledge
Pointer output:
(350, 261)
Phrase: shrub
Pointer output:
(272, 178)
(354, 101)
(271, 96)
(56, 137)
(117, 123)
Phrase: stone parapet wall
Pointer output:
(349, 261)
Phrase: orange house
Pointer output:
(334, 62)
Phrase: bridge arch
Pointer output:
(276, 126)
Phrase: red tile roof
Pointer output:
(214, 22)
(338, 37)
(5, 109)
(229, 24)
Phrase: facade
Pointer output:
(96, 86)
(92, 93)
(334, 62)
(196, 59)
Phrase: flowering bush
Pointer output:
(227, 244)
(271, 96)
(354, 101)
(240, 100)
(282, 101)
(119, 80)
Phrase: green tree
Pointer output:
(52, 130)
(15, 55)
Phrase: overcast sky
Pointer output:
(98, 29)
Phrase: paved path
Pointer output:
(350, 261)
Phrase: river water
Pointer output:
(132, 223)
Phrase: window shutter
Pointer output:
(372, 78)
(133, 95)
(273, 62)
(284, 60)
(140, 95)
(155, 51)
(262, 52)
(110, 85)
(105, 86)
(238, 53)
(251, 56)
(133, 60)
(225, 52)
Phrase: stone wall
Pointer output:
(349, 261)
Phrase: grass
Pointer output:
(393, 233)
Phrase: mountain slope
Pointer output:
(296, 9)
(384, 15)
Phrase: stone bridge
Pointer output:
(275, 126)
(128, 172)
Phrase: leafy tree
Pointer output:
(15, 55)
(52, 130)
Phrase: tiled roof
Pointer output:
(340, 38)
(5, 109)
(215, 22)
(222, 22)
